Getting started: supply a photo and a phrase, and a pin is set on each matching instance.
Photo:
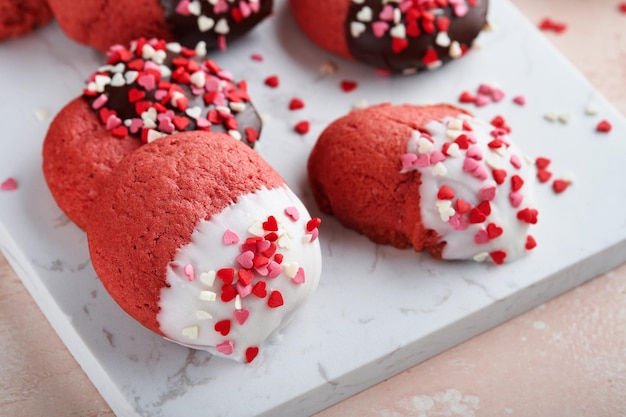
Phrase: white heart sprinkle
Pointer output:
(193, 112)
(195, 8)
(365, 14)
(398, 31)
(203, 315)
(291, 269)
(174, 47)
(443, 39)
(481, 257)
(201, 49)
(439, 170)
(222, 27)
(191, 332)
(148, 52)
(455, 50)
(198, 78)
(356, 29)
(235, 134)
(453, 150)
(131, 76)
(208, 296)
(592, 109)
(118, 80)
(424, 145)
(208, 278)
(205, 23)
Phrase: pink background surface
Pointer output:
(564, 358)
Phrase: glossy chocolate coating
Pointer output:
(185, 28)
(377, 51)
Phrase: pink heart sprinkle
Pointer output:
(408, 160)
(485, 89)
(274, 269)
(314, 234)
(516, 198)
(387, 13)
(245, 259)
(254, 6)
(225, 348)
(220, 7)
(458, 222)
(299, 277)
(230, 237)
(220, 100)
(183, 8)
(166, 125)
(135, 125)
(481, 100)
(244, 8)
(437, 156)
(147, 81)
(471, 137)
(497, 95)
(151, 65)
(243, 290)
(470, 165)
(474, 152)
(99, 102)
(380, 28)
(516, 162)
(202, 122)
(211, 83)
(196, 91)
(263, 245)
(241, 315)
(521, 100)
(292, 213)
(423, 160)
(460, 10)
(262, 270)
(481, 172)
(488, 192)
(481, 237)
(189, 272)
(8, 185)
(112, 122)
(160, 94)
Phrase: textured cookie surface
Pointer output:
(431, 177)
(18, 18)
(156, 233)
(407, 36)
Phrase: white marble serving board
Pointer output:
(378, 310)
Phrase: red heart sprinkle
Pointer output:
(135, 95)
(498, 256)
(398, 45)
(227, 275)
(543, 175)
(528, 215)
(485, 207)
(476, 216)
(499, 175)
(228, 293)
(251, 134)
(622, 7)
(142, 106)
(135, 64)
(466, 97)
(314, 223)
(275, 300)
(180, 122)
(462, 141)
(272, 81)
(542, 163)
(348, 86)
(445, 193)
(251, 353)
(259, 289)
(494, 231)
(462, 206)
(516, 182)
(531, 243)
(105, 113)
(120, 131)
(560, 185)
(302, 127)
(222, 327)
(604, 126)
(278, 258)
(296, 104)
(245, 275)
(430, 57)
(271, 225)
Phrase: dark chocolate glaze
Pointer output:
(378, 51)
(185, 28)
(119, 102)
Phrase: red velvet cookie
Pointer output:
(401, 36)
(19, 17)
(202, 242)
(431, 177)
(144, 92)
(101, 23)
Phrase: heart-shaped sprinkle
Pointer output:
(462, 206)
(543, 175)
(272, 81)
(230, 237)
(494, 231)
(439, 170)
(189, 272)
(222, 327)
(499, 175)
(112, 122)
(531, 243)
(228, 293)
(251, 353)
(516, 198)
(380, 28)
(398, 44)
(348, 85)
(458, 222)
(191, 332)
(227, 275)
(243, 289)
(245, 259)
(481, 237)
(302, 127)
(241, 316)
(245, 275)
(8, 185)
(225, 348)
(299, 278)
(445, 193)
(560, 185)
(487, 192)
(476, 216)
(259, 289)
(205, 23)
(356, 29)
(516, 182)
(604, 126)
(194, 8)
(498, 256)
(183, 8)
(208, 278)
(528, 215)
(271, 225)
(275, 299)
(292, 213)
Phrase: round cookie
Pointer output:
(20, 17)
(431, 177)
(146, 91)
(399, 36)
(202, 242)
(101, 23)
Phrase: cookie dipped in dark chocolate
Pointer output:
(413, 35)
(156, 88)
(213, 21)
